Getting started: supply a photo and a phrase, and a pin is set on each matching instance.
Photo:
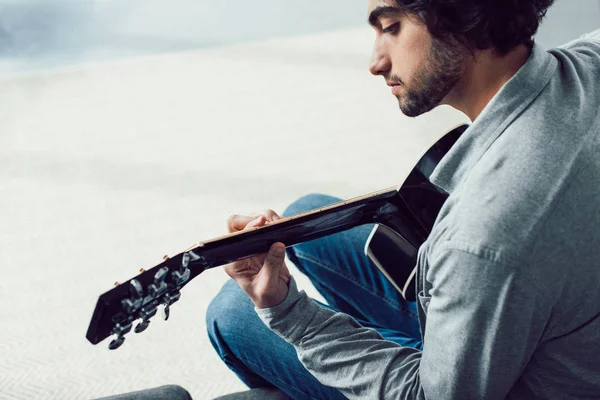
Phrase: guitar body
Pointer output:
(387, 246)
(404, 217)
(395, 257)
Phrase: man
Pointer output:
(509, 278)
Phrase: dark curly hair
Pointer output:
(480, 24)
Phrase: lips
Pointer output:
(395, 85)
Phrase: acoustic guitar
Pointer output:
(403, 218)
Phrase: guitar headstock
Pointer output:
(140, 298)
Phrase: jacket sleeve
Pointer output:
(592, 38)
(484, 320)
(594, 35)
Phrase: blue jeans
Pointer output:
(349, 282)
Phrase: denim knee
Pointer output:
(237, 334)
(222, 315)
(309, 202)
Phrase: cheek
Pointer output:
(411, 50)
(406, 64)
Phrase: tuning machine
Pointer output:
(182, 275)
(178, 277)
(136, 297)
(146, 312)
(169, 299)
(159, 286)
(120, 330)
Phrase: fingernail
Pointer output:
(275, 217)
(278, 251)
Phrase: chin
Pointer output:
(409, 110)
(410, 113)
(414, 110)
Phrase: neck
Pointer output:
(485, 75)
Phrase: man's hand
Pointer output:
(265, 277)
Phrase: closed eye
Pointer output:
(392, 28)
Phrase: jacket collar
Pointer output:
(510, 101)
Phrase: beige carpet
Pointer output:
(105, 168)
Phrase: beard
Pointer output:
(443, 69)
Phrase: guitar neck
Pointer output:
(292, 230)
(370, 208)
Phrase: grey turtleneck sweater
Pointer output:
(509, 279)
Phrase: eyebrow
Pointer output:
(383, 12)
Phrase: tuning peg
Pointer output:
(142, 270)
(117, 284)
(120, 331)
(165, 312)
(172, 297)
(141, 327)
(147, 312)
(169, 299)
(158, 287)
(135, 299)
(135, 288)
(182, 275)
(166, 257)
(115, 344)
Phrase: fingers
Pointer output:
(273, 265)
(237, 223)
(230, 270)
(275, 256)
(270, 215)
(267, 288)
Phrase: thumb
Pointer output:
(274, 262)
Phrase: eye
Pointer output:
(393, 28)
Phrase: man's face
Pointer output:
(420, 70)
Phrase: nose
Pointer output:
(380, 62)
